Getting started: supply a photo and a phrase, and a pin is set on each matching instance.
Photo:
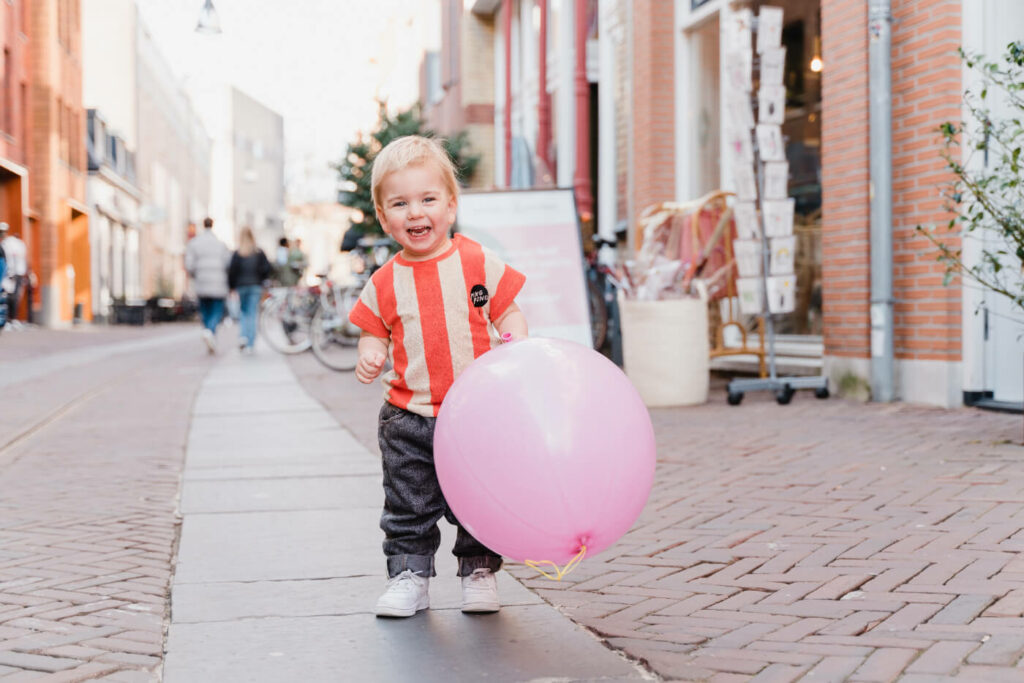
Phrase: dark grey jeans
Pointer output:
(413, 502)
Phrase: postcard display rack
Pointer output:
(765, 244)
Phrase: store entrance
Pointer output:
(801, 36)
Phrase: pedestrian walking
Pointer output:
(297, 259)
(248, 270)
(3, 274)
(206, 260)
(13, 283)
(432, 308)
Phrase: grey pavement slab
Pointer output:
(285, 467)
(282, 493)
(272, 546)
(279, 563)
(522, 644)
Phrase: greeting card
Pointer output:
(769, 142)
(782, 253)
(747, 227)
(776, 180)
(773, 65)
(781, 293)
(769, 28)
(778, 217)
(748, 257)
(750, 292)
(771, 104)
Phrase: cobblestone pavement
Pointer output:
(823, 540)
(90, 459)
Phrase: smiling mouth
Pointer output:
(419, 231)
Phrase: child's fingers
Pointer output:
(378, 360)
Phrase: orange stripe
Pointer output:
(384, 278)
(363, 317)
(508, 288)
(474, 274)
(434, 328)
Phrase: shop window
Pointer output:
(802, 131)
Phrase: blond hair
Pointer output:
(246, 242)
(412, 150)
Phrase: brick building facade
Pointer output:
(457, 84)
(58, 234)
(14, 120)
(952, 342)
(927, 83)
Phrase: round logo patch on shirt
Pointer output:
(479, 296)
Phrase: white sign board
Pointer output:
(535, 232)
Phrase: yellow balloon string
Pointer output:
(559, 572)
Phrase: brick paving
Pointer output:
(88, 489)
(823, 540)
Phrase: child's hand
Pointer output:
(369, 366)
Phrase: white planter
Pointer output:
(665, 350)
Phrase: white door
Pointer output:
(1002, 321)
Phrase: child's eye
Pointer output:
(397, 205)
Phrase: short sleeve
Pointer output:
(504, 282)
(366, 313)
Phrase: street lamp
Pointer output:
(209, 22)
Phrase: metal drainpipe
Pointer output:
(507, 33)
(880, 108)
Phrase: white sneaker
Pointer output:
(405, 595)
(211, 341)
(480, 592)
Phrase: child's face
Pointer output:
(417, 211)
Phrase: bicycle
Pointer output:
(603, 285)
(285, 317)
(334, 338)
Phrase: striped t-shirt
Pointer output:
(437, 314)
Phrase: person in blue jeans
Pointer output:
(248, 270)
(206, 260)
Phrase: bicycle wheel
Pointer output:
(598, 314)
(333, 340)
(284, 324)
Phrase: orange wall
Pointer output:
(56, 156)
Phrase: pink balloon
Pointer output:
(543, 446)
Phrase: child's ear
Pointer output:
(453, 210)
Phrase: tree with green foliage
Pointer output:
(355, 167)
(985, 197)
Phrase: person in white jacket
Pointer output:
(206, 260)
(13, 284)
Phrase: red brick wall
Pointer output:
(926, 91)
(56, 153)
(653, 103)
(844, 168)
(13, 44)
(926, 85)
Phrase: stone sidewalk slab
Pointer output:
(279, 564)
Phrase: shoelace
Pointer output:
(403, 582)
(479, 576)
